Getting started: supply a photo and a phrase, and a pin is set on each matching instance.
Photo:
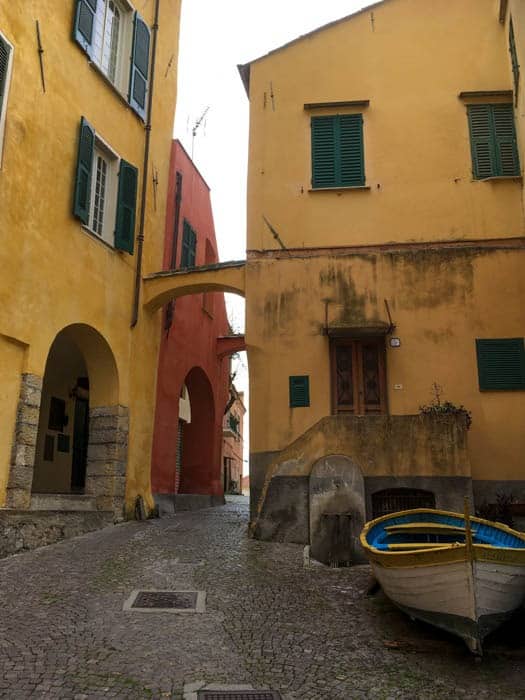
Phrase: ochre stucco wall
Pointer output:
(54, 273)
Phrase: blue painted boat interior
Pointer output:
(379, 538)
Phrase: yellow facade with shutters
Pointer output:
(400, 272)
(68, 285)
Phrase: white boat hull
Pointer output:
(469, 599)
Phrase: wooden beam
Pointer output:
(336, 105)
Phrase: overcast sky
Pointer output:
(215, 37)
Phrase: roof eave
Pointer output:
(244, 71)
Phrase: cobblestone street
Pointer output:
(309, 633)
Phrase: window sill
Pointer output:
(97, 237)
(496, 178)
(122, 97)
(339, 189)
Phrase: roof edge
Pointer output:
(244, 69)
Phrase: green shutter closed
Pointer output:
(138, 84)
(82, 196)
(85, 23)
(126, 205)
(337, 151)
(501, 364)
(299, 391)
(493, 141)
(189, 246)
(4, 64)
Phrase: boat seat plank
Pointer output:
(426, 528)
(422, 545)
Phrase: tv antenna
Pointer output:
(196, 128)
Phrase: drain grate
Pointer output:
(166, 601)
(238, 695)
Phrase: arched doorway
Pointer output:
(80, 438)
(200, 454)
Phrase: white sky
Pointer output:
(215, 37)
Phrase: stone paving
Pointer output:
(310, 633)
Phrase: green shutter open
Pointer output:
(126, 205)
(337, 151)
(299, 391)
(5, 51)
(501, 364)
(82, 195)
(481, 141)
(138, 83)
(514, 61)
(84, 24)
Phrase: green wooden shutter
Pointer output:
(351, 150)
(481, 141)
(299, 391)
(501, 364)
(189, 245)
(138, 84)
(193, 248)
(507, 159)
(323, 152)
(514, 60)
(5, 52)
(126, 204)
(84, 24)
(82, 196)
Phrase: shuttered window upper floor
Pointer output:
(110, 32)
(6, 62)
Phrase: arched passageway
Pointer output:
(77, 444)
(200, 466)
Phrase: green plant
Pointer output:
(438, 407)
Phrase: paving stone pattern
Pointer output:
(270, 623)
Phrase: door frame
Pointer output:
(357, 343)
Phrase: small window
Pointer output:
(6, 59)
(514, 61)
(116, 40)
(299, 392)
(493, 141)
(501, 364)
(105, 190)
(337, 151)
(189, 246)
(394, 500)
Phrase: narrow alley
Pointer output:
(270, 622)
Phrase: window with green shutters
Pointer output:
(514, 61)
(501, 364)
(189, 246)
(6, 57)
(299, 391)
(105, 192)
(337, 151)
(493, 141)
(117, 40)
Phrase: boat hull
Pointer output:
(469, 599)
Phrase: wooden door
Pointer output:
(358, 376)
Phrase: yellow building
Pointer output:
(386, 255)
(87, 99)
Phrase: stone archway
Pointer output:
(336, 510)
(71, 433)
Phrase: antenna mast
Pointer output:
(196, 128)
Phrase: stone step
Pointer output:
(62, 501)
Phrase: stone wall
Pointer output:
(24, 443)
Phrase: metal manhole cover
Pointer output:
(166, 601)
(238, 695)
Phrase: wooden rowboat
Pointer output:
(465, 575)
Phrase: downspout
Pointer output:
(140, 237)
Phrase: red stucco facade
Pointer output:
(186, 454)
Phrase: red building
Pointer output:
(193, 379)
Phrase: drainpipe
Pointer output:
(140, 237)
